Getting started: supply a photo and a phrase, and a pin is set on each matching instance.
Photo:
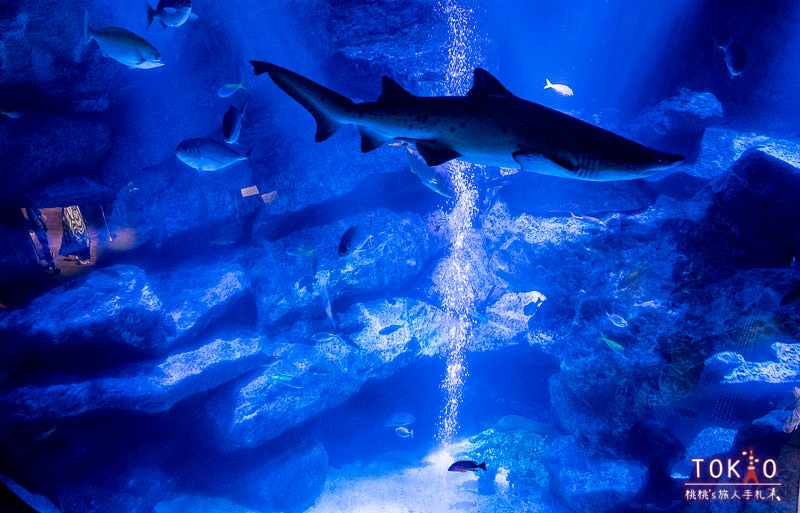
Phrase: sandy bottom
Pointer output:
(426, 488)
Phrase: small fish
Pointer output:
(353, 240)
(208, 155)
(45, 435)
(434, 178)
(464, 466)
(300, 252)
(122, 45)
(324, 336)
(232, 123)
(687, 286)
(284, 380)
(171, 13)
(588, 220)
(793, 262)
(13, 114)
(480, 318)
(617, 320)
(632, 279)
(327, 303)
(735, 57)
(321, 371)
(388, 330)
(561, 89)
(398, 419)
(404, 432)
(229, 90)
(613, 345)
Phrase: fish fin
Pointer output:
(391, 90)
(320, 101)
(193, 16)
(482, 466)
(244, 105)
(371, 140)
(548, 83)
(528, 159)
(435, 153)
(485, 84)
(87, 28)
(150, 15)
(249, 154)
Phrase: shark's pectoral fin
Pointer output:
(538, 163)
(435, 153)
(371, 140)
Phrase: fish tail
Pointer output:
(244, 105)
(330, 109)
(482, 466)
(548, 83)
(87, 28)
(150, 15)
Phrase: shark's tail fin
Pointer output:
(150, 15)
(548, 83)
(330, 109)
(482, 466)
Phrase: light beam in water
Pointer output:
(454, 284)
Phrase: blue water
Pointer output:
(603, 346)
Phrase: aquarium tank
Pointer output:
(283, 256)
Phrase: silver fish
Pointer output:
(232, 123)
(353, 240)
(171, 13)
(399, 418)
(617, 320)
(404, 432)
(735, 56)
(434, 178)
(122, 45)
(563, 90)
(207, 154)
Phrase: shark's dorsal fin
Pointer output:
(391, 90)
(484, 84)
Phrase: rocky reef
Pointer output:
(210, 363)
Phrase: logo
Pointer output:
(743, 479)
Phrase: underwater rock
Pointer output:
(71, 191)
(289, 275)
(708, 442)
(755, 384)
(38, 503)
(42, 150)
(182, 212)
(368, 39)
(309, 379)
(677, 124)
(110, 316)
(745, 225)
(152, 390)
(588, 482)
(295, 479)
(201, 504)
(195, 297)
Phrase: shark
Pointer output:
(489, 126)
